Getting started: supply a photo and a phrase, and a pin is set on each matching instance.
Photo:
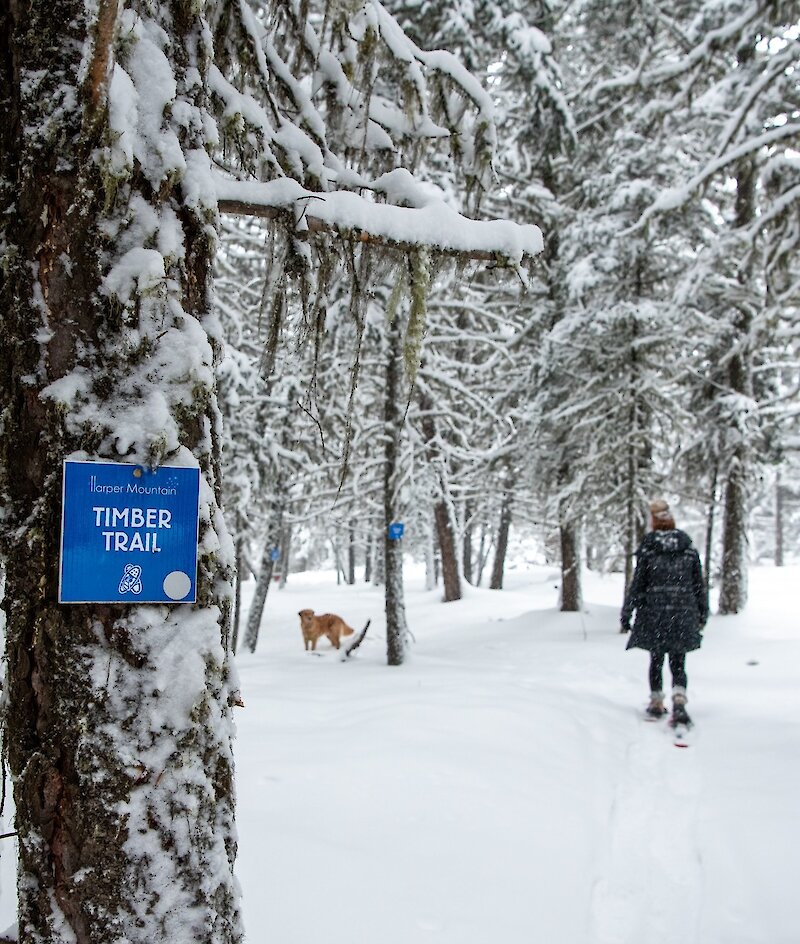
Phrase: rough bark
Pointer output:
(123, 794)
(466, 545)
(570, 568)
(448, 552)
(378, 562)
(779, 519)
(237, 595)
(274, 531)
(632, 513)
(430, 560)
(710, 516)
(351, 555)
(396, 629)
(368, 559)
(286, 554)
(265, 570)
(337, 558)
(484, 548)
(733, 589)
(442, 511)
(501, 548)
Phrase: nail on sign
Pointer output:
(128, 534)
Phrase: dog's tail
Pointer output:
(357, 641)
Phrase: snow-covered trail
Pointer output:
(651, 883)
(501, 786)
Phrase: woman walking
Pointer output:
(671, 604)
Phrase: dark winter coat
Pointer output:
(667, 593)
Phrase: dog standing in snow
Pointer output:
(327, 624)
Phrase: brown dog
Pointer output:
(327, 624)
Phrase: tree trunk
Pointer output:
(337, 558)
(123, 793)
(445, 530)
(484, 549)
(266, 568)
(733, 588)
(286, 553)
(351, 554)
(466, 544)
(639, 455)
(571, 597)
(396, 629)
(378, 560)
(631, 514)
(710, 515)
(443, 514)
(498, 568)
(259, 600)
(430, 560)
(779, 493)
(237, 600)
(368, 558)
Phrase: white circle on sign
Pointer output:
(177, 585)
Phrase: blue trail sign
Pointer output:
(396, 530)
(128, 534)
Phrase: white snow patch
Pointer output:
(502, 783)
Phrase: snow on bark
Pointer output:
(396, 626)
(118, 726)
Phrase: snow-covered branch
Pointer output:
(434, 225)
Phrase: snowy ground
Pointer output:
(502, 787)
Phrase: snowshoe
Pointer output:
(680, 715)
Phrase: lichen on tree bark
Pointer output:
(117, 725)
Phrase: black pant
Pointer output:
(677, 666)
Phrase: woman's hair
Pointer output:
(664, 524)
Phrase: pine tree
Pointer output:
(122, 789)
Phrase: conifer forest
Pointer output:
(450, 285)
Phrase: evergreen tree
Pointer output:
(122, 790)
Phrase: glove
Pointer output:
(625, 626)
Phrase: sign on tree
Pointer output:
(128, 534)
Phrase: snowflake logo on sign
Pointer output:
(131, 579)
